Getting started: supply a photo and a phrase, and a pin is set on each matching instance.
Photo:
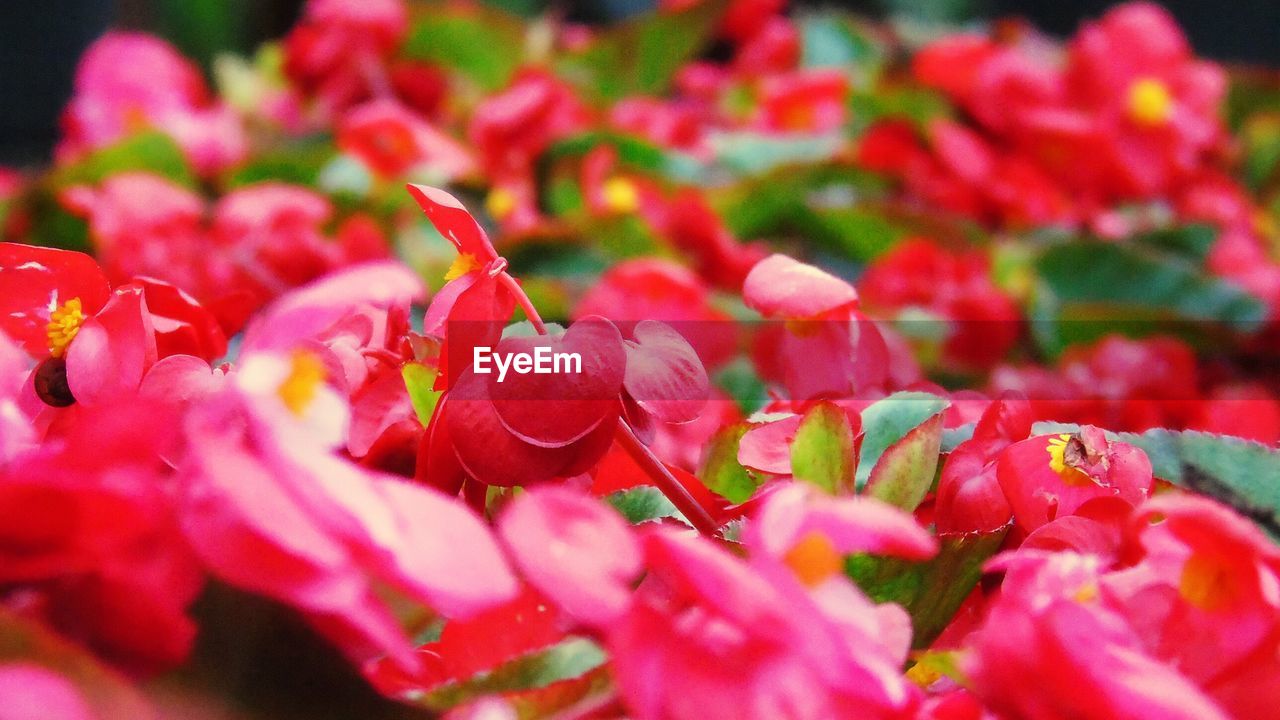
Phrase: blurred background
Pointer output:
(41, 41)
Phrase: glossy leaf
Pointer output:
(1132, 288)
(420, 382)
(721, 471)
(823, 451)
(643, 503)
(905, 471)
(931, 591)
(887, 421)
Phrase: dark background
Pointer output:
(41, 41)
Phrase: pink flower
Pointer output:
(253, 245)
(824, 347)
(128, 82)
(808, 101)
(575, 550)
(338, 52)
(1051, 648)
(655, 289)
(710, 636)
(1204, 598)
(1049, 476)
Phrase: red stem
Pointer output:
(666, 482)
(525, 303)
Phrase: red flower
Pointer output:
(969, 497)
(1049, 476)
(94, 347)
(392, 140)
(919, 279)
(821, 346)
(807, 101)
(89, 543)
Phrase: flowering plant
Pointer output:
(723, 363)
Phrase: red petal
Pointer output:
(36, 280)
(555, 409)
(452, 220)
(113, 350)
(664, 374)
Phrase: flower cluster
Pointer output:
(911, 383)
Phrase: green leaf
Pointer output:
(1090, 288)
(905, 472)
(823, 450)
(419, 380)
(740, 381)
(298, 162)
(571, 658)
(889, 420)
(481, 43)
(721, 471)
(931, 591)
(642, 504)
(749, 153)
(641, 55)
(832, 40)
(633, 152)
(148, 151)
(1260, 138)
(1192, 242)
(1239, 473)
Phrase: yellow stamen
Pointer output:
(500, 203)
(814, 559)
(1204, 582)
(463, 264)
(64, 324)
(1058, 462)
(306, 375)
(922, 675)
(1086, 593)
(620, 195)
(1150, 102)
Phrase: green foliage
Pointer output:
(419, 380)
(298, 162)
(643, 503)
(931, 591)
(721, 471)
(1089, 288)
(823, 450)
(886, 422)
(905, 472)
(641, 55)
(633, 153)
(480, 43)
(570, 659)
(148, 151)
